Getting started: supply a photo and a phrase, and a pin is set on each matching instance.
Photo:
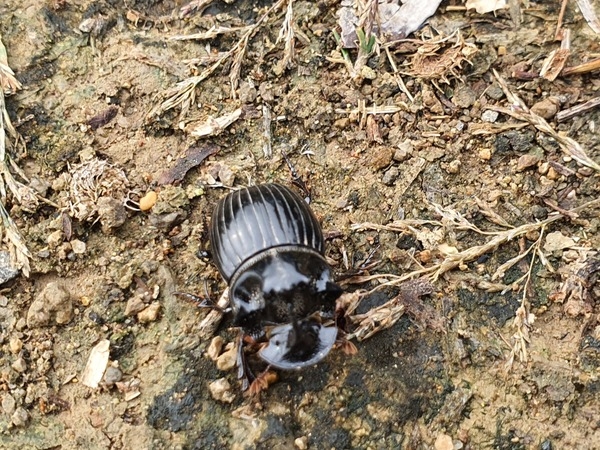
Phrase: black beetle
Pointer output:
(269, 247)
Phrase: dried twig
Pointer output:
(23, 193)
(451, 261)
(587, 9)
(287, 34)
(184, 92)
(566, 114)
(520, 111)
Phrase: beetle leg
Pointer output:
(297, 179)
(244, 372)
(203, 302)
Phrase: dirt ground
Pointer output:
(504, 354)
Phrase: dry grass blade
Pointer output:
(519, 111)
(287, 34)
(22, 193)
(386, 315)
(184, 92)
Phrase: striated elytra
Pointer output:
(269, 247)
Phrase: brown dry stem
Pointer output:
(375, 321)
(520, 111)
(22, 193)
(184, 92)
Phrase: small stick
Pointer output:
(561, 15)
(578, 109)
(585, 67)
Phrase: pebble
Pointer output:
(7, 270)
(464, 96)
(19, 365)
(165, 222)
(9, 404)
(454, 166)
(55, 238)
(112, 213)
(15, 344)
(221, 390)
(404, 151)
(443, 442)
(527, 161)
(247, 92)
(214, 348)
(228, 359)
(148, 201)
(150, 314)
(134, 306)
(112, 375)
(78, 246)
(489, 116)
(20, 417)
(390, 176)
(301, 443)
(52, 306)
(380, 158)
(226, 175)
(485, 154)
(546, 108)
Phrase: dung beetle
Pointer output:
(269, 248)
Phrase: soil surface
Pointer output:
(504, 354)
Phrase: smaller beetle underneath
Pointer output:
(269, 247)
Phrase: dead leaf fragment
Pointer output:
(193, 157)
(557, 241)
(96, 364)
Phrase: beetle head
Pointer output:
(298, 344)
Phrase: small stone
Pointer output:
(390, 176)
(8, 271)
(19, 365)
(78, 246)
(527, 161)
(214, 348)
(165, 222)
(55, 238)
(9, 404)
(454, 166)
(221, 390)
(15, 344)
(112, 375)
(464, 96)
(148, 201)
(53, 305)
(485, 154)
(546, 108)
(112, 213)
(134, 306)
(489, 116)
(20, 417)
(494, 92)
(342, 123)
(226, 175)
(227, 360)
(552, 174)
(404, 151)
(150, 314)
(247, 92)
(443, 442)
(301, 443)
(380, 158)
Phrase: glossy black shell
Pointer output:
(268, 246)
(257, 218)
